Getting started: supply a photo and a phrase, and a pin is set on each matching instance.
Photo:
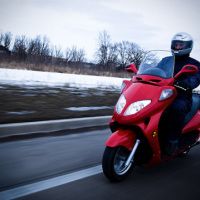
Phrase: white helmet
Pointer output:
(181, 44)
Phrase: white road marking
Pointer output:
(49, 183)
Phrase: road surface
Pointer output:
(69, 167)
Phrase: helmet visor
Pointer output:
(180, 45)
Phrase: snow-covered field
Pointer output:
(36, 78)
(35, 95)
(23, 87)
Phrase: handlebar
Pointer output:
(179, 87)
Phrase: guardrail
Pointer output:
(51, 125)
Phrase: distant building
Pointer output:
(4, 51)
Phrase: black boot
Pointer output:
(172, 147)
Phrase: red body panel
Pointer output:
(140, 91)
(153, 80)
(122, 137)
(193, 124)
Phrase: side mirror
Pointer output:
(187, 70)
(131, 68)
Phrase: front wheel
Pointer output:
(113, 163)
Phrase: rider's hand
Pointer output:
(182, 85)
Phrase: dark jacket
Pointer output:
(180, 61)
(193, 81)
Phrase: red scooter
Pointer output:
(136, 125)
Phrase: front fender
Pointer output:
(122, 137)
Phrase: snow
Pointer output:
(88, 108)
(36, 78)
(52, 79)
(21, 112)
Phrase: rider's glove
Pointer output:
(182, 86)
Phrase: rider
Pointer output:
(181, 46)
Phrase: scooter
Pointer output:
(136, 138)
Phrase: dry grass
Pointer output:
(71, 69)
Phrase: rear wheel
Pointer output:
(113, 163)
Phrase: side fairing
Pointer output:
(193, 124)
(141, 91)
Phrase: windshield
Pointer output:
(157, 63)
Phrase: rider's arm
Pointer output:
(194, 80)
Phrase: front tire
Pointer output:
(113, 163)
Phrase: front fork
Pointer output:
(130, 158)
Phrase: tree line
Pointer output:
(117, 54)
(108, 55)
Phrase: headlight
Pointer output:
(121, 103)
(136, 107)
(166, 94)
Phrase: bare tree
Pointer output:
(7, 39)
(75, 55)
(112, 55)
(80, 55)
(1, 38)
(130, 52)
(36, 46)
(39, 49)
(68, 55)
(124, 53)
(52, 51)
(104, 44)
(45, 50)
(20, 47)
(31, 46)
(136, 54)
(58, 52)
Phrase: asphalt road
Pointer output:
(33, 160)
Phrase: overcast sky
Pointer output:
(149, 23)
